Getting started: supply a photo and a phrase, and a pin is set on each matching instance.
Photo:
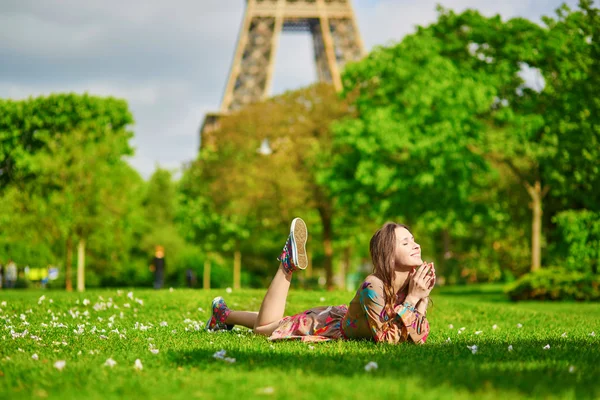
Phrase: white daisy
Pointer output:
(371, 366)
(220, 354)
(110, 363)
(60, 364)
(138, 363)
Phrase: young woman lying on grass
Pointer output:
(390, 306)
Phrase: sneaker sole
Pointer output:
(299, 233)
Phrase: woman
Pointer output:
(390, 305)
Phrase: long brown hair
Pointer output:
(383, 253)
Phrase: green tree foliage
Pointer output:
(570, 104)
(27, 126)
(577, 243)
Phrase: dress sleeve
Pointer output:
(407, 324)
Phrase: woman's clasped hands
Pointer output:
(421, 283)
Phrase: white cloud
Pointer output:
(142, 93)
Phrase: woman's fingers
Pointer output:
(429, 282)
(420, 271)
(433, 282)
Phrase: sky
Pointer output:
(170, 59)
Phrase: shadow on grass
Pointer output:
(528, 370)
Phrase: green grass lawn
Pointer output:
(184, 367)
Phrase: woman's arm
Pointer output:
(422, 306)
(405, 325)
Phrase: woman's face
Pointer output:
(408, 252)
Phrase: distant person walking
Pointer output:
(190, 278)
(10, 276)
(158, 267)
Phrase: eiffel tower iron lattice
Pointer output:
(336, 41)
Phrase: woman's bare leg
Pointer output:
(273, 305)
(272, 308)
(243, 318)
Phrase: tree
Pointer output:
(63, 149)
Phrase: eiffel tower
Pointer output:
(336, 41)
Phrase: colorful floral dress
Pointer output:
(364, 318)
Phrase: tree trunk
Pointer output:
(446, 244)
(327, 247)
(325, 207)
(537, 194)
(345, 267)
(206, 275)
(237, 268)
(69, 265)
(81, 265)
